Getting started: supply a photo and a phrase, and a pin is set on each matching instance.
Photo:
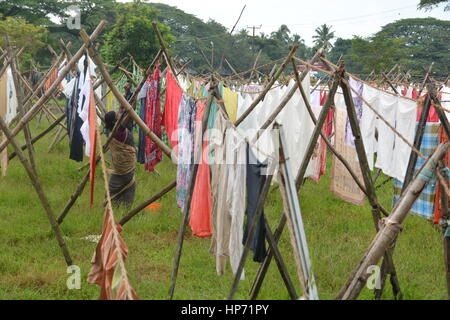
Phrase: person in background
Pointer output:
(122, 184)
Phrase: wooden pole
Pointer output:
(38, 188)
(187, 206)
(44, 98)
(79, 189)
(362, 157)
(251, 234)
(392, 225)
(96, 58)
(269, 86)
(144, 205)
(39, 136)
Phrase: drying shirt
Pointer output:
(405, 125)
(387, 108)
(368, 122)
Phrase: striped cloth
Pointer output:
(424, 206)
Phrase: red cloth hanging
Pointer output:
(201, 205)
(170, 116)
(92, 116)
(153, 119)
(432, 116)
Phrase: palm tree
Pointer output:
(282, 34)
(323, 36)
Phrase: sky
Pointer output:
(347, 17)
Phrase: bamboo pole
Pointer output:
(146, 203)
(44, 98)
(96, 58)
(38, 188)
(186, 210)
(392, 225)
(79, 189)
(39, 136)
(251, 234)
(269, 86)
(20, 99)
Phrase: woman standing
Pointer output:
(122, 185)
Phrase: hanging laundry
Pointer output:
(342, 183)
(200, 218)
(371, 95)
(318, 160)
(230, 100)
(357, 102)
(74, 121)
(228, 186)
(11, 97)
(85, 86)
(171, 106)
(153, 119)
(105, 271)
(392, 151)
(255, 181)
(405, 125)
(142, 98)
(52, 79)
(185, 147)
(424, 206)
(386, 136)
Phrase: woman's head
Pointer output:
(110, 120)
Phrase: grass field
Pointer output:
(338, 233)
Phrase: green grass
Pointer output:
(338, 233)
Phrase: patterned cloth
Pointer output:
(357, 101)
(153, 119)
(424, 206)
(186, 133)
(437, 203)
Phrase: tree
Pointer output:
(133, 33)
(430, 4)
(23, 34)
(428, 40)
(323, 36)
(282, 34)
(341, 50)
(378, 53)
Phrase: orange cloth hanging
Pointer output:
(105, 261)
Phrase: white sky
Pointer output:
(347, 17)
